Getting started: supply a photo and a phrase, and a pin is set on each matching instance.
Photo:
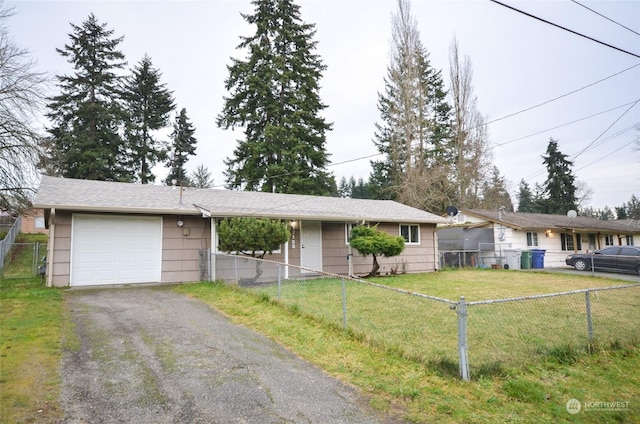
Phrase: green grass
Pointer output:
(31, 326)
(500, 335)
(21, 262)
(532, 390)
(34, 329)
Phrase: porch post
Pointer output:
(286, 260)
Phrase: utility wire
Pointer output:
(564, 28)
(560, 126)
(607, 129)
(559, 97)
(619, 133)
(605, 156)
(286, 174)
(607, 18)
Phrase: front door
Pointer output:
(311, 245)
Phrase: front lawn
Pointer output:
(31, 320)
(536, 390)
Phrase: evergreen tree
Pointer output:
(630, 209)
(148, 104)
(560, 186)
(525, 198)
(345, 188)
(414, 135)
(274, 95)
(354, 189)
(87, 116)
(201, 177)
(183, 145)
(495, 193)
(371, 241)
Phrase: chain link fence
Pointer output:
(456, 337)
(23, 260)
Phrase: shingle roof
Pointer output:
(540, 221)
(103, 196)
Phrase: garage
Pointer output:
(115, 249)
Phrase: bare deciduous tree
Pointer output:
(473, 156)
(21, 88)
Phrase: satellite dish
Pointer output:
(452, 211)
(572, 214)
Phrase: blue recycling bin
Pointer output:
(537, 258)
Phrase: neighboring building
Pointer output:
(485, 237)
(33, 222)
(117, 233)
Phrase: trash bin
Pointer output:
(513, 259)
(537, 258)
(525, 259)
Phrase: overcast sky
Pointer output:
(518, 62)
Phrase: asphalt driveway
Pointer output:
(149, 355)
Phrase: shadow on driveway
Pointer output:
(149, 355)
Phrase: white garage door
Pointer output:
(115, 249)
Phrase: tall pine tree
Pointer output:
(274, 96)
(149, 104)
(87, 116)
(414, 135)
(525, 198)
(183, 145)
(560, 188)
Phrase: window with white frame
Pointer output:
(532, 239)
(410, 233)
(39, 222)
(347, 231)
(629, 238)
(608, 240)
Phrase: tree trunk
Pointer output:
(374, 269)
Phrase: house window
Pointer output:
(608, 240)
(39, 222)
(532, 239)
(567, 242)
(629, 238)
(410, 233)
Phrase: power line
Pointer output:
(565, 29)
(535, 174)
(560, 126)
(286, 174)
(559, 97)
(605, 156)
(607, 129)
(606, 17)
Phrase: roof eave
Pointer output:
(116, 209)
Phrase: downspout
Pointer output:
(286, 260)
(436, 253)
(50, 250)
(214, 250)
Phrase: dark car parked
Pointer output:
(614, 258)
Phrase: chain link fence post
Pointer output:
(463, 349)
(344, 304)
(235, 266)
(589, 322)
(279, 281)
